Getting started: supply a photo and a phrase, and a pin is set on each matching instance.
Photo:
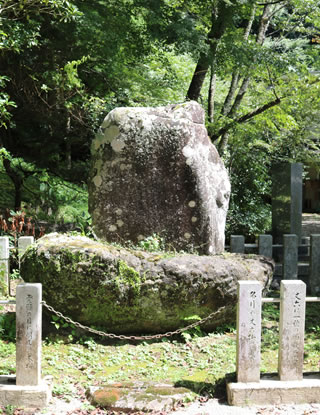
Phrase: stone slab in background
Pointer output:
(127, 291)
(138, 396)
(155, 170)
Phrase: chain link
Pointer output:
(124, 337)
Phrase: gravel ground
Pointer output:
(213, 407)
(210, 407)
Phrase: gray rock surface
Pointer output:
(155, 170)
(138, 396)
(129, 291)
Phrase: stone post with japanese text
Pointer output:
(28, 321)
(292, 322)
(248, 331)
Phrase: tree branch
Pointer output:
(246, 117)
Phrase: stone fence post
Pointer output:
(28, 322)
(291, 329)
(290, 257)
(4, 265)
(248, 331)
(265, 245)
(237, 244)
(23, 243)
(314, 273)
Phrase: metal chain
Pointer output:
(123, 337)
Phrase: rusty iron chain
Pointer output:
(124, 337)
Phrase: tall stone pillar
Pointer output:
(286, 200)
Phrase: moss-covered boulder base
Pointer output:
(128, 291)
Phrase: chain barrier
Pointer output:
(124, 337)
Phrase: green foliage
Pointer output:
(65, 64)
(8, 327)
(250, 209)
(153, 243)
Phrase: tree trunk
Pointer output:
(220, 17)
(198, 78)
(231, 110)
(17, 182)
(212, 92)
(236, 74)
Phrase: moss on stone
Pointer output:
(128, 276)
(106, 397)
(165, 391)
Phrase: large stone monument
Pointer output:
(155, 170)
(286, 200)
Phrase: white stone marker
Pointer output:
(248, 331)
(28, 319)
(4, 263)
(291, 331)
(23, 243)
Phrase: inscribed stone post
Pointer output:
(286, 200)
(237, 244)
(248, 331)
(28, 320)
(4, 264)
(290, 257)
(314, 278)
(265, 245)
(292, 321)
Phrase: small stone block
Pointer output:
(248, 331)
(24, 396)
(275, 392)
(28, 344)
(291, 330)
(137, 396)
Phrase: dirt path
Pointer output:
(310, 223)
(210, 407)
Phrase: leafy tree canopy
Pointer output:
(254, 65)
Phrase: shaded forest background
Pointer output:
(253, 65)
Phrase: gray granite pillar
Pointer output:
(28, 320)
(248, 331)
(290, 257)
(291, 329)
(286, 200)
